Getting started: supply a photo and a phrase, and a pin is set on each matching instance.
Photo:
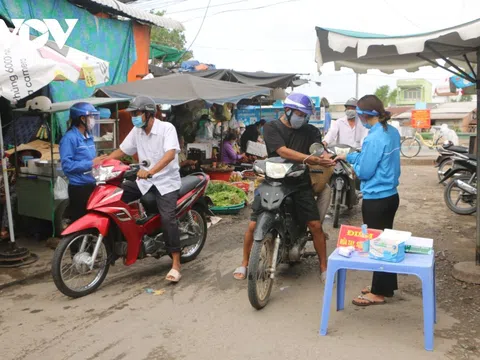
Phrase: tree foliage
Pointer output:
(463, 98)
(388, 97)
(172, 38)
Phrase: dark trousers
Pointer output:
(166, 204)
(379, 214)
(78, 196)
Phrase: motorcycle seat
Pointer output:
(458, 149)
(189, 183)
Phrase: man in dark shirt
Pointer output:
(251, 133)
(290, 137)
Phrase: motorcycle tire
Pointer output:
(336, 208)
(185, 258)
(449, 201)
(257, 300)
(57, 266)
(415, 143)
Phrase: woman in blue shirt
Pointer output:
(78, 156)
(378, 168)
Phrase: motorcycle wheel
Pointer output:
(443, 167)
(68, 262)
(190, 253)
(453, 203)
(259, 281)
(410, 147)
(336, 208)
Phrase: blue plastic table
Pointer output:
(422, 266)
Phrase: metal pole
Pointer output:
(8, 203)
(477, 248)
(356, 86)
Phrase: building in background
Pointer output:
(459, 116)
(412, 91)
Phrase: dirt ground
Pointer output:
(207, 315)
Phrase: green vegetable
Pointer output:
(224, 195)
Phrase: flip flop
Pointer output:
(368, 289)
(175, 275)
(368, 301)
(241, 270)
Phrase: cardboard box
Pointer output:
(416, 245)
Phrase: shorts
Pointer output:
(304, 202)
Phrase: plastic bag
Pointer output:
(60, 190)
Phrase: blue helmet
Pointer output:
(301, 102)
(83, 109)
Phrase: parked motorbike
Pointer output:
(343, 183)
(444, 160)
(280, 236)
(461, 192)
(112, 229)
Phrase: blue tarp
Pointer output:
(108, 39)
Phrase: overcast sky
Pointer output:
(279, 35)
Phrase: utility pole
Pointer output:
(356, 86)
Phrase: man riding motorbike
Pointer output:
(155, 142)
(347, 130)
(290, 137)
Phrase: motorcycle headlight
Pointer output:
(104, 173)
(258, 170)
(277, 171)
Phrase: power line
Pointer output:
(199, 29)
(403, 15)
(247, 9)
(240, 49)
(201, 8)
(157, 4)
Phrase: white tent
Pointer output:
(458, 47)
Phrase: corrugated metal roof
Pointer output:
(451, 110)
(115, 7)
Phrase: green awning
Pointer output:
(165, 53)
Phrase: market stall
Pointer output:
(38, 171)
(191, 94)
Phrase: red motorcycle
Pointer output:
(112, 229)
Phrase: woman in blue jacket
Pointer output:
(78, 156)
(378, 168)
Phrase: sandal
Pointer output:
(368, 289)
(241, 271)
(368, 301)
(173, 276)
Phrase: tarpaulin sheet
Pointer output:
(259, 78)
(177, 89)
(165, 53)
(108, 39)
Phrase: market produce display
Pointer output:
(218, 168)
(236, 176)
(225, 195)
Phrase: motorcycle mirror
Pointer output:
(317, 149)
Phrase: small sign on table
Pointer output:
(353, 236)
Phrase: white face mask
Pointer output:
(350, 114)
(90, 123)
(297, 121)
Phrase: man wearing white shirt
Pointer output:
(348, 130)
(156, 142)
